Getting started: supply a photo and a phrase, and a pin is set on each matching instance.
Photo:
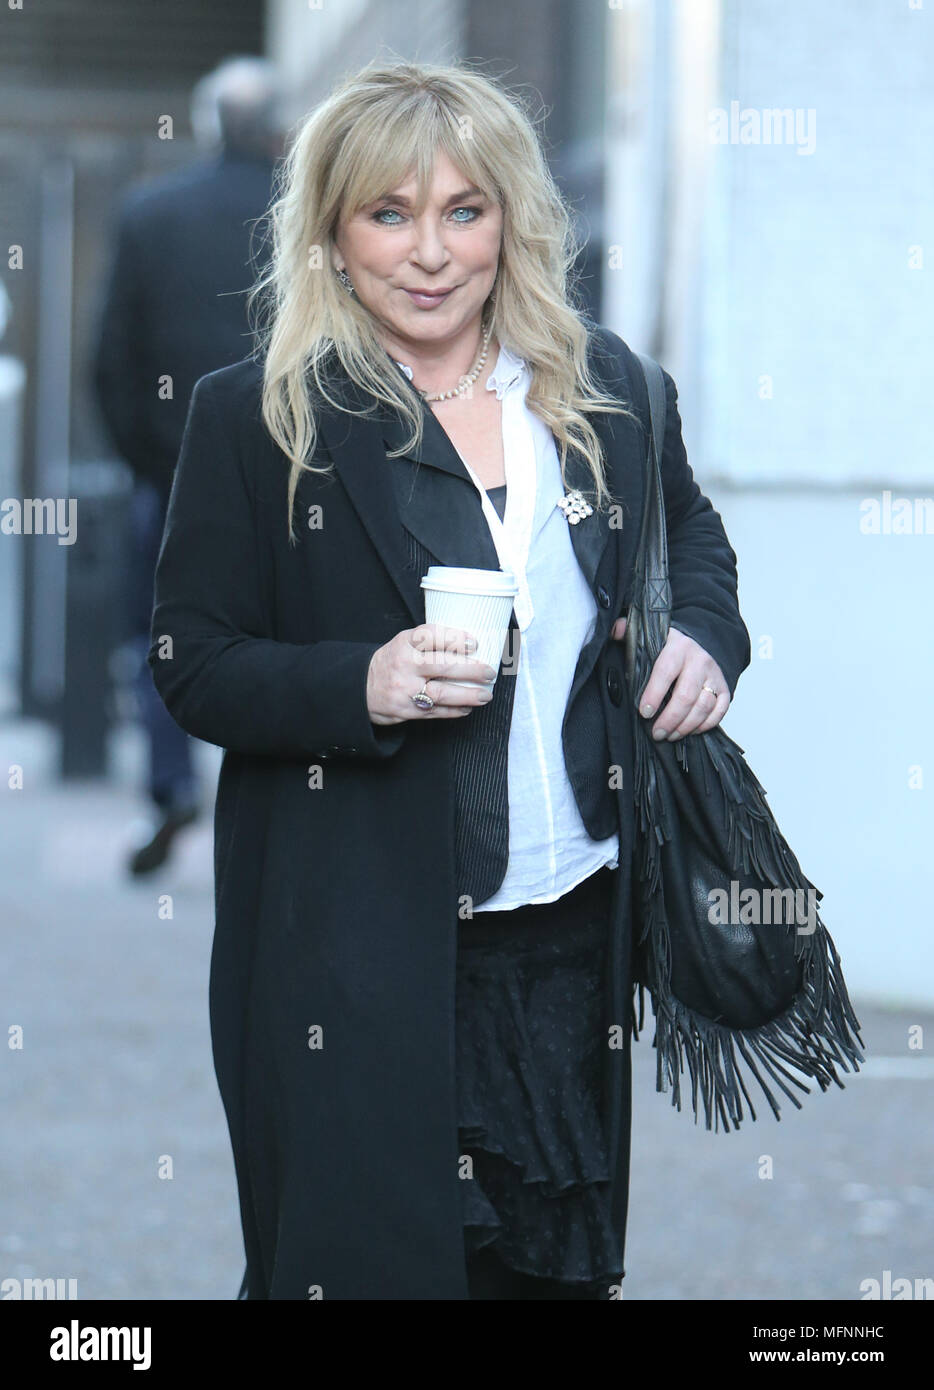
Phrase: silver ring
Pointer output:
(423, 699)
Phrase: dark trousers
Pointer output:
(172, 782)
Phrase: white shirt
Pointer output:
(550, 851)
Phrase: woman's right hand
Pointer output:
(429, 653)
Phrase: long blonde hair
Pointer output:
(377, 126)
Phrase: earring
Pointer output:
(345, 279)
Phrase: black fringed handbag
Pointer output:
(760, 986)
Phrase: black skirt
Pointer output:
(530, 1052)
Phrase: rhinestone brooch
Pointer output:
(575, 506)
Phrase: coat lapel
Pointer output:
(436, 497)
(440, 501)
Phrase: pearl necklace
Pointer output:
(468, 380)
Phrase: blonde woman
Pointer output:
(420, 983)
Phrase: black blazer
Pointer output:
(442, 523)
(423, 509)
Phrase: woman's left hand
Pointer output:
(691, 709)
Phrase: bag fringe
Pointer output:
(819, 1028)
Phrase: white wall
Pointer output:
(318, 43)
(798, 327)
(836, 722)
(809, 279)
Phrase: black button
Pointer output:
(614, 685)
(603, 597)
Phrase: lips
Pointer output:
(428, 299)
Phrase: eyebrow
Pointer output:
(470, 192)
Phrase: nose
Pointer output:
(429, 249)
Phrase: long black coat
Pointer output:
(333, 968)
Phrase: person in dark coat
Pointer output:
(421, 987)
(185, 255)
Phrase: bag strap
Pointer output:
(657, 404)
(651, 603)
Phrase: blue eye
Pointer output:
(378, 216)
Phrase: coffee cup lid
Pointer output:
(454, 579)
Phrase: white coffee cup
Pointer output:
(480, 602)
